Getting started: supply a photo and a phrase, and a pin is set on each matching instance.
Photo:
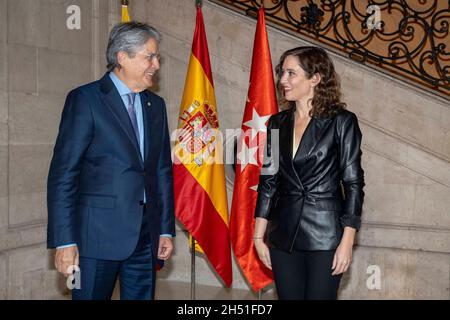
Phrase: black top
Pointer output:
(309, 198)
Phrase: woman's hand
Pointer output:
(263, 252)
(342, 259)
(343, 255)
(258, 241)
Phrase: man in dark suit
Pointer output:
(110, 184)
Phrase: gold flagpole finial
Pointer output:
(125, 14)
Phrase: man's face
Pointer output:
(138, 71)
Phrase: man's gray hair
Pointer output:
(128, 37)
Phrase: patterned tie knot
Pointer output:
(132, 113)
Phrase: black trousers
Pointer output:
(304, 275)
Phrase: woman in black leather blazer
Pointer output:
(308, 212)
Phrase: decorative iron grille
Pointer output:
(410, 39)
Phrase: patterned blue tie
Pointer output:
(132, 113)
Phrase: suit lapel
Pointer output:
(312, 135)
(115, 104)
(288, 138)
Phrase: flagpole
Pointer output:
(258, 108)
(260, 295)
(203, 219)
(198, 3)
(192, 268)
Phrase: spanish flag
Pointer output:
(199, 175)
(125, 15)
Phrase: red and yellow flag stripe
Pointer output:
(200, 189)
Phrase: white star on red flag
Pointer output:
(257, 123)
(247, 156)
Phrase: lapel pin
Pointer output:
(148, 104)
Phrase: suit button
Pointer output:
(319, 154)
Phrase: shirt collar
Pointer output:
(121, 87)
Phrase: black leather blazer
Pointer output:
(313, 196)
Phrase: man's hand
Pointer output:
(66, 257)
(165, 248)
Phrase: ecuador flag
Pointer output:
(199, 176)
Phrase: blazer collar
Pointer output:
(311, 137)
(115, 104)
(146, 114)
(289, 139)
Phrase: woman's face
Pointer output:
(293, 81)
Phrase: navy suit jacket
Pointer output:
(97, 177)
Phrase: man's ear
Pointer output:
(121, 57)
(316, 79)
